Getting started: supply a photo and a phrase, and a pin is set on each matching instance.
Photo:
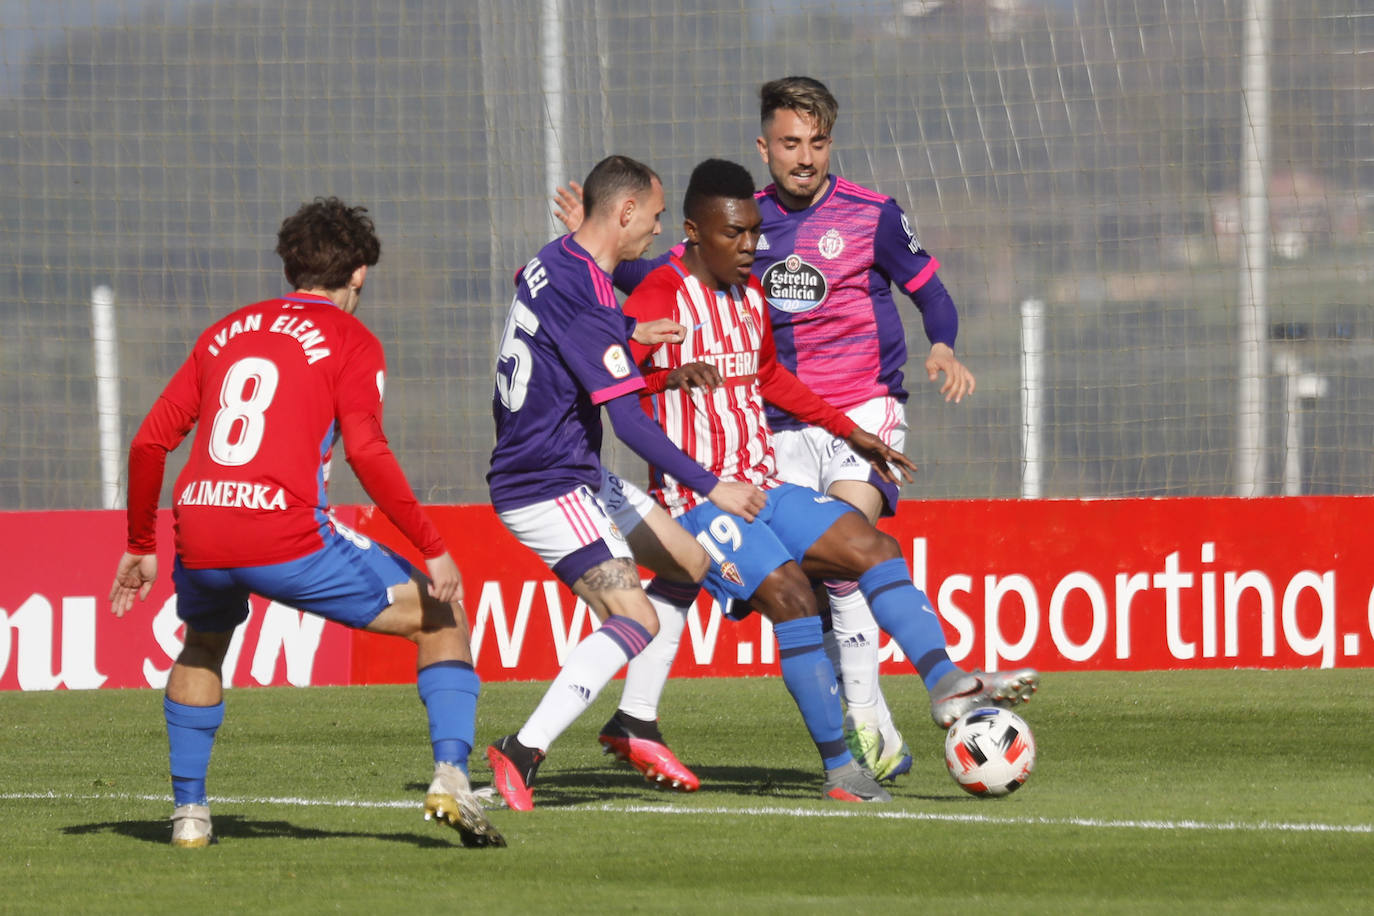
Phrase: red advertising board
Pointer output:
(1060, 585)
(56, 628)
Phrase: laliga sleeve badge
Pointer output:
(616, 362)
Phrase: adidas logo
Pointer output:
(581, 691)
(849, 461)
(853, 642)
(763, 243)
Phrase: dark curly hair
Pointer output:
(323, 242)
(715, 178)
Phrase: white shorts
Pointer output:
(813, 458)
(572, 533)
(626, 503)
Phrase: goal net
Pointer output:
(1085, 155)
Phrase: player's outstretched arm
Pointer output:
(959, 381)
(647, 440)
(882, 456)
(445, 581)
(368, 453)
(567, 206)
(134, 577)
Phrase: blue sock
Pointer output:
(904, 613)
(190, 738)
(810, 679)
(449, 691)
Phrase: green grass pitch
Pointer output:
(1162, 792)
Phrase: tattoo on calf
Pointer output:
(616, 572)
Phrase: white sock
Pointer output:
(887, 728)
(855, 636)
(647, 672)
(589, 667)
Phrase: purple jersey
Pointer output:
(827, 272)
(562, 355)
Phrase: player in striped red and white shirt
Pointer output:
(724, 427)
(801, 533)
(828, 257)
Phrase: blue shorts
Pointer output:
(744, 553)
(348, 580)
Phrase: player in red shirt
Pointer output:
(800, 533)
(269, 388)
(828, 255)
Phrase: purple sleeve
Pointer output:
(592, 342)
(898, 254)
(633, 426)
(938, 314)
(629, 274)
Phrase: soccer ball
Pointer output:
(990, 751)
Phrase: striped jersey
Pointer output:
(725, 430)
(827, 273)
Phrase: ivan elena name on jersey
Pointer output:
(303, 330)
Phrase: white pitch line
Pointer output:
(755, 811)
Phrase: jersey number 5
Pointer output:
(515, 362)
(247, 391)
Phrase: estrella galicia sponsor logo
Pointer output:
(792, 285)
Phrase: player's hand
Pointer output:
(882, 456)
(958, 380)
(738, 498)
(134, 577)
(567, 206)
(445, 581)
(659, 331)
(694, 375)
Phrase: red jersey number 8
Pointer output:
(247, 392)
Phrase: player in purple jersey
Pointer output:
(564, 357)
(830, 253)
